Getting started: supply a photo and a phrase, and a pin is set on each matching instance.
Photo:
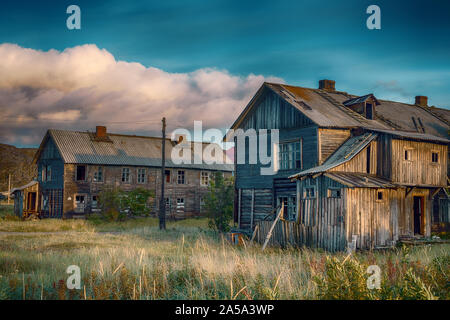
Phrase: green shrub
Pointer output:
(219, 203)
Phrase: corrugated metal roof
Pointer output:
(81, 147)
(360, 180)
(327, 109)
(344, 153)
(413, 135)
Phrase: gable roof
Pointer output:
(349, 149)
(82, 148)
(328, 109)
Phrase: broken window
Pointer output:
(334, 193)
(369, 111)
(289, 155)
(204, 178)
(167, 175)
(80, 202)
(98, 174)
(81, 173)
(309, 192)
(94, 202)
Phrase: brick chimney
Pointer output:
(327, 85)
(100, 132)
(422, 101)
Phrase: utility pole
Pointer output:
(162, 201)
(9, 187)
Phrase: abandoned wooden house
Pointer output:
(348, 167)
(74, 167)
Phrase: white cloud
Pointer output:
(84, 86)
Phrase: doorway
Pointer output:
(31, 201)
(419, 215)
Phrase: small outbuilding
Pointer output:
(26, 200)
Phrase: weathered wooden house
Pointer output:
(348, 166)
(74, 167)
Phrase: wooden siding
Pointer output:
(420, 170)
(255, 205)
(329, 140)
(191, 191)
(359, 162)
(272, 112)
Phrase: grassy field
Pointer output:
(135, 260)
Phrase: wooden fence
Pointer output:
(290, 233)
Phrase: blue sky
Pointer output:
(297, 41)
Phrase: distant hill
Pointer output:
(18, 162)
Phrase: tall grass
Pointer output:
(190, 262)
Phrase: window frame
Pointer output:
(139, 175)
(85, 173)
(287, 156)
(410, 152)
(306, 195)
(46, 173)
(330, 193)
(208, 177)
(75, 207)
(95, 175)
(383, 198)
(437, 153)
(167, 175)
(122, 175)
(181, 175)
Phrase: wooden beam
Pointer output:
(254, 233)
(435, 192)
(409, 191)
(239, 209)
(252, 209)
(269, 234)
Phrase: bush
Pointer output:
(117, 204)
(219, 203)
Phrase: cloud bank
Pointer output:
(85, 86)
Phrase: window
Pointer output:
(204, 178)
(167, 202)
(98, 174)
(167, 175)
(408, 154)
(289, 155)
(368, 159)
(434, 157)
(141, 175)
(334, 193)
(289, 207)
(180, 203)
(309, 192)
(94, 203)
(369, 111)
(379, 195)
(180, 177)
(81, 173)
(80, 203)
(125, 174)
(47, 172)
